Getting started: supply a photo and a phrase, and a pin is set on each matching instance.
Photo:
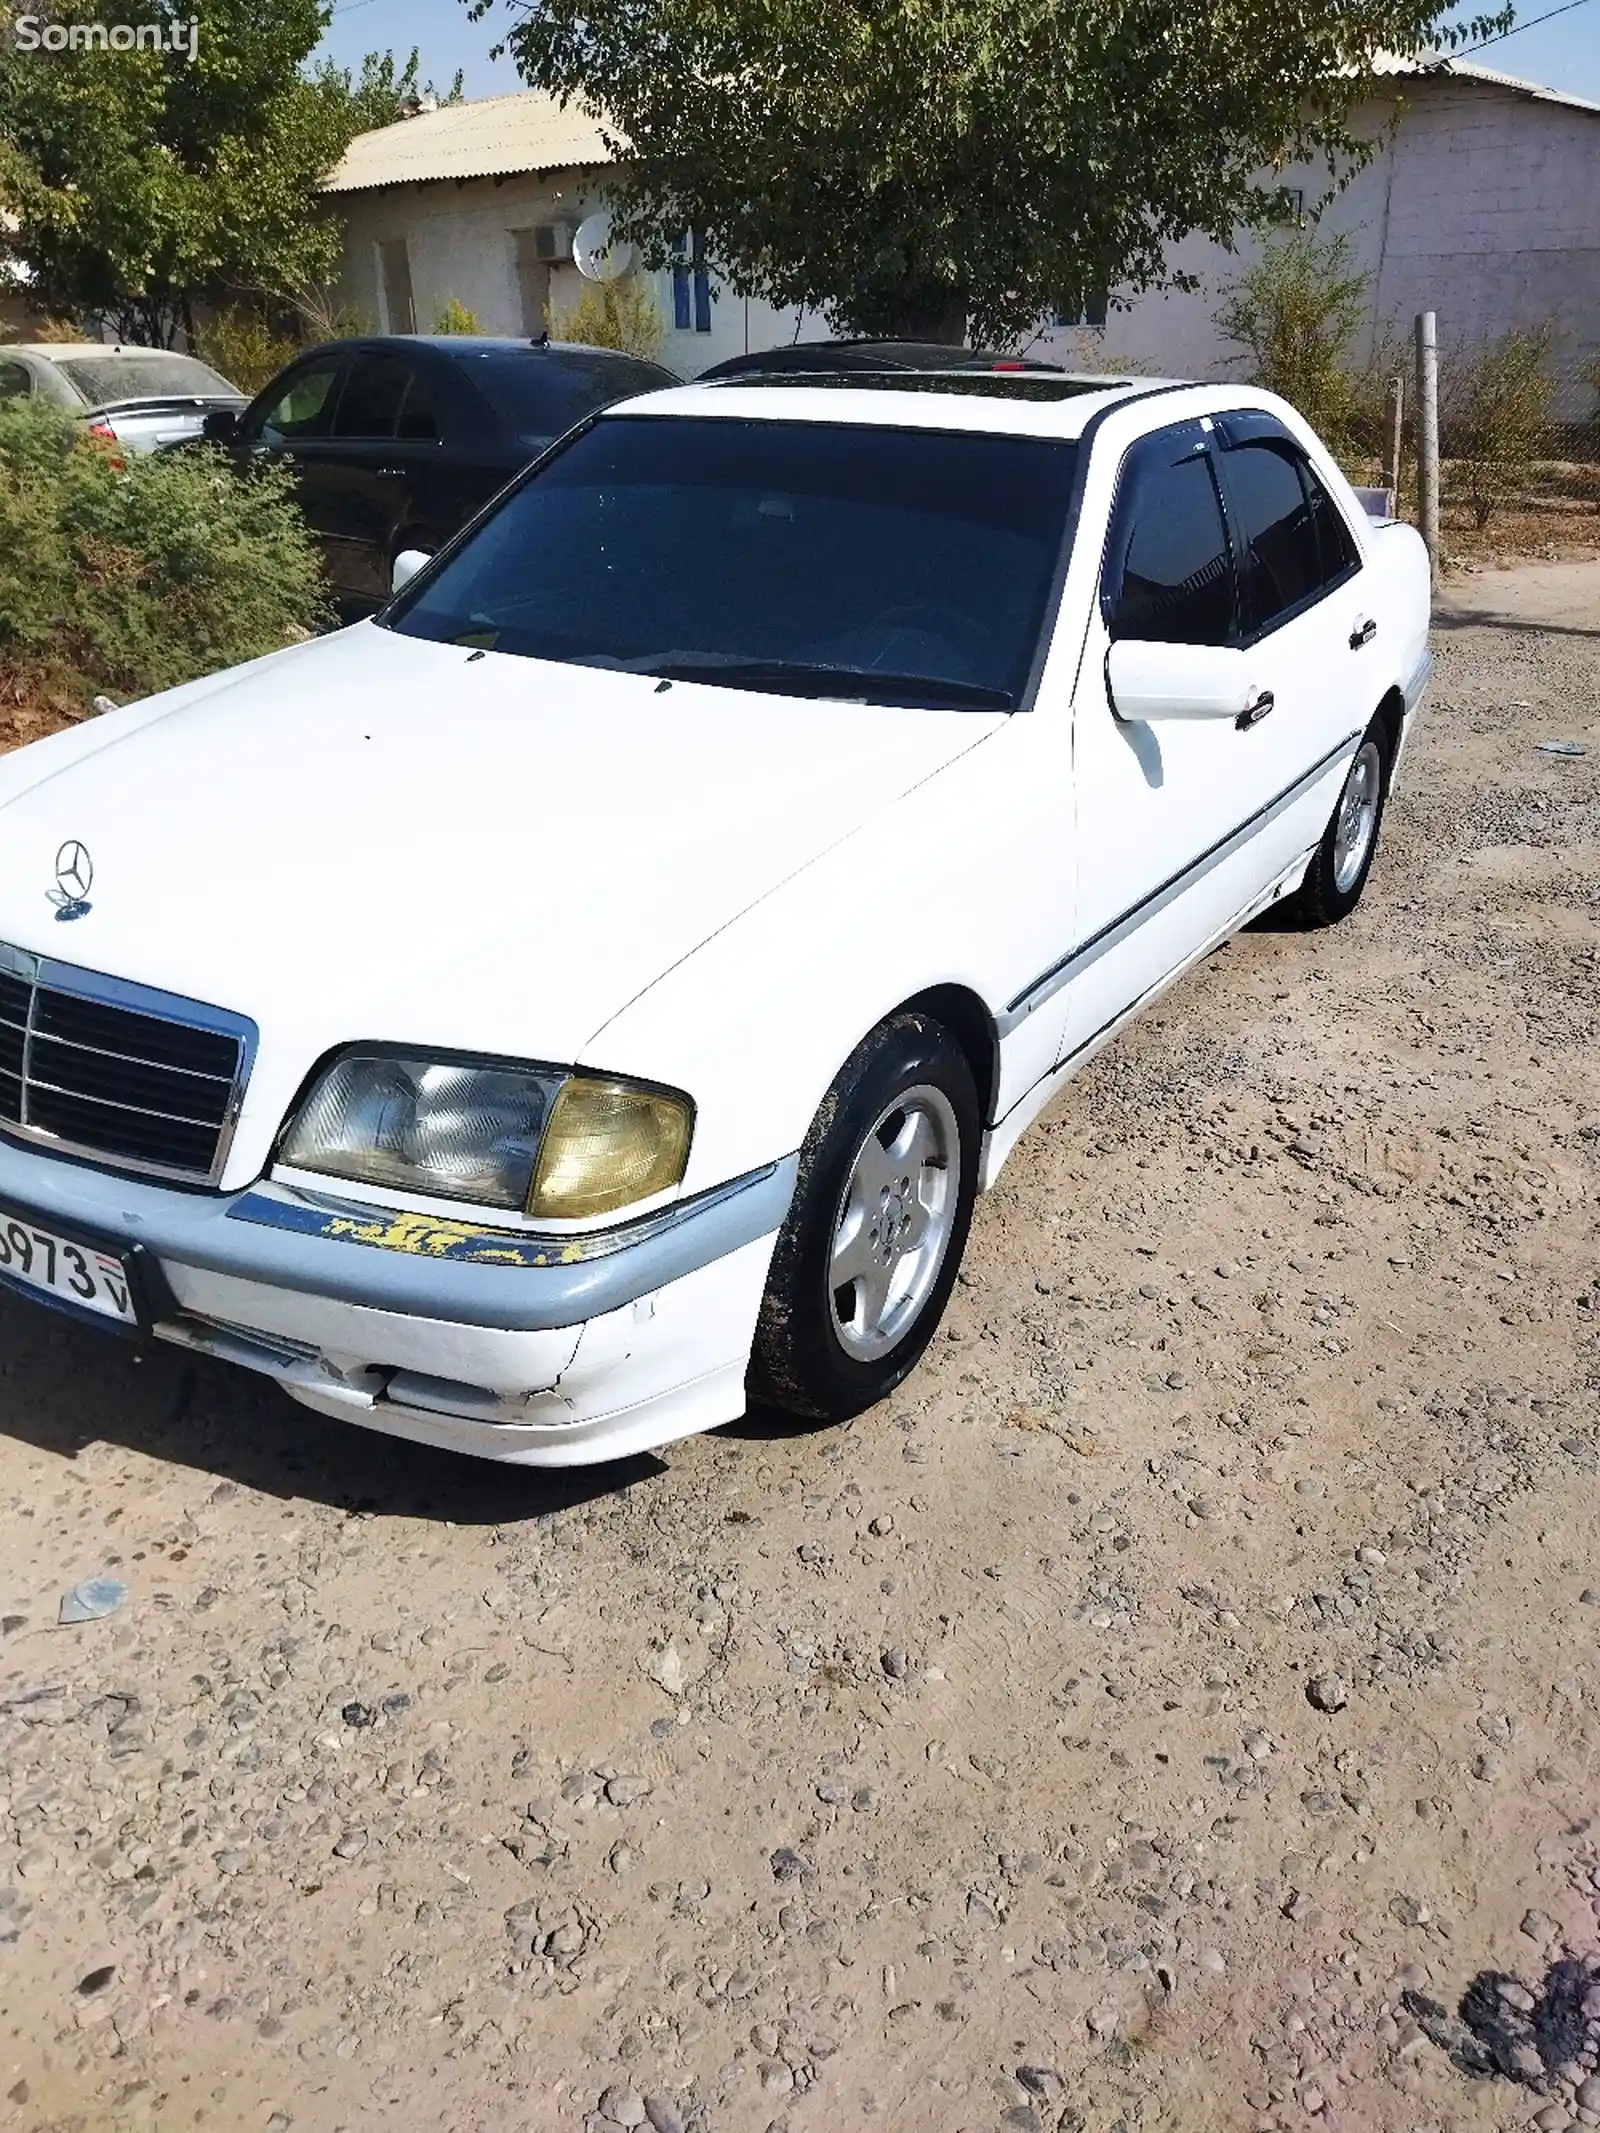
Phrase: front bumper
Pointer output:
(491, 1342)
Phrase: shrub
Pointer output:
(613, 314)
(1495, 404)
(323, 315)
(456, 318)
(245, 347)
(132, 577)
(1297, 312)
(45, 329)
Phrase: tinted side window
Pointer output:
(419, 417)
(15, 383)
(1177, 575)
(369, 406)
(1336, 551)
(1279, 566)
(302, 406)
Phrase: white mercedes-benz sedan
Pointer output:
(592, 994)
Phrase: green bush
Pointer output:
(1297, 312)
(245, 346)
(456, 318)
(1495, 404)
(612, 314)
(126, 578)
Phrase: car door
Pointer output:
(1302, 612)
(288, 425)
(1169, 813)
(364, 476)
(437, 493)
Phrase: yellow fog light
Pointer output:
(607, 1146)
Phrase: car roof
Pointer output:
(469, 344)
(874, 355)
(1025, 405)
(52, 351)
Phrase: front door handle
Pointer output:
(1255, 711)
(1363, 633)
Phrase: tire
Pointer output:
(1343, 860)
(826, 1347)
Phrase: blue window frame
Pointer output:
(691, 284)
(1090, 310)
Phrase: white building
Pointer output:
(1482, 204)
(477, 203)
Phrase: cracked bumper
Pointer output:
(494, 1343)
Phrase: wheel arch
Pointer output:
(966, 1015)
(1391, 714)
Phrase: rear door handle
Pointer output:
(1363, 633)
(1255, 711)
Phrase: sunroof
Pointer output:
(988, 385)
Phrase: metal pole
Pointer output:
(1394, 427)
(1428, 434)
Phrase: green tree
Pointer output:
(138, 183)
(922, 166)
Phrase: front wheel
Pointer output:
(865, 1262)
(1343, 860)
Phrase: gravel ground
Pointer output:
(1178, 1707)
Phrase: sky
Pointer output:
(1562, 54)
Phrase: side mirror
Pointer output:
(406, 565)
(1155, 681)
(221, 425)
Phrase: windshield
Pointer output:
(805, 558)
(104, 380)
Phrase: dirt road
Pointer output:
(1178, 1708)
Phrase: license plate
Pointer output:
(64, 1270)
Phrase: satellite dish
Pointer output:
(596, 255)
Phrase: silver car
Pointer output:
(142, 398)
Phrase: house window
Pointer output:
(1089, 310)
(394, 283)
(1291, 207)
(691, 284)
(533, 283)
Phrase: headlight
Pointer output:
(520, 1138)
(607, 1145)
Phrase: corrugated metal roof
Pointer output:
(1437, 64)
(530, 131)
(493, 137)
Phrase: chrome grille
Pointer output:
(95, 1066)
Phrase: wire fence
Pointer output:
(1519, 442)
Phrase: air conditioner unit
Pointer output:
(552, 242)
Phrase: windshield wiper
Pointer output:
(851, 684)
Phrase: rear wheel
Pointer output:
(865, 1262)
(1342, 861)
